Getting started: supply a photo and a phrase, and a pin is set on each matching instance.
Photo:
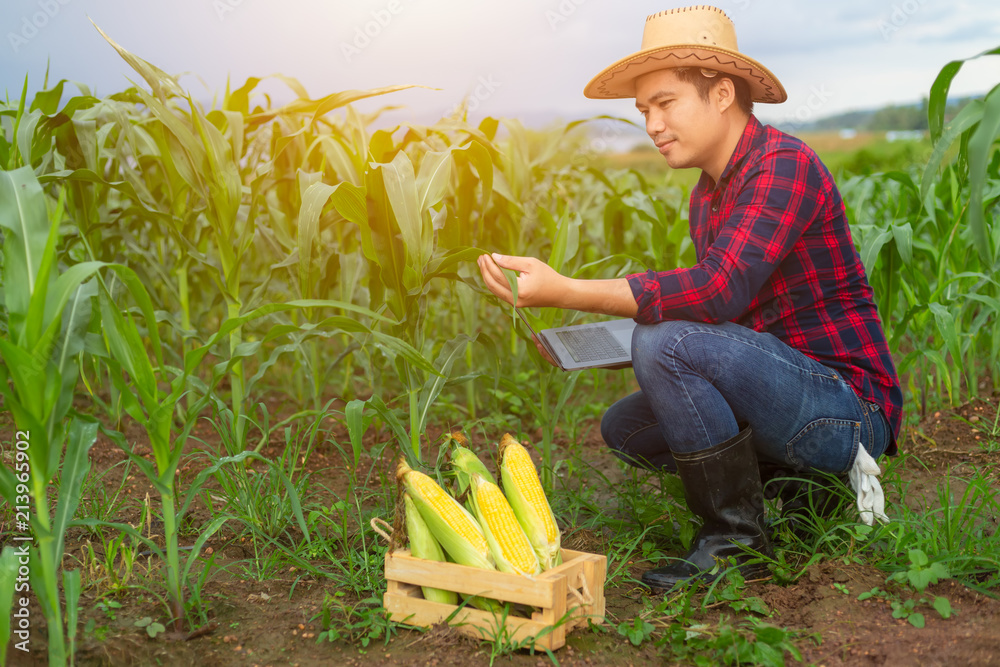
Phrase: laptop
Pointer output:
(605, 344)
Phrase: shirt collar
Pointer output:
(748, 139)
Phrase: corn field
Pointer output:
(292, 273)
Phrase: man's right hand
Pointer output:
(545, 353)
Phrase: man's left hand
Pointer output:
(538, 284)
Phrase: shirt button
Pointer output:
(715, 207)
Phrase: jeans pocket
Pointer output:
(829, 445)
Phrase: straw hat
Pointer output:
(700, 36)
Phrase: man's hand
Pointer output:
(538, 284)
(545, 353)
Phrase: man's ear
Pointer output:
(724, 94)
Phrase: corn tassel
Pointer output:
(451, 524)
(510, 547)
(527, 499)
(423, 545)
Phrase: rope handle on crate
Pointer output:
(376, 522)
(586, 598)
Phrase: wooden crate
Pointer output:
(576, 586)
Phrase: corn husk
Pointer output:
(424, 545)
(455, 529)
(527, 499)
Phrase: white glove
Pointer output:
(871, 500)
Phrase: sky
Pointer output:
(528, 59)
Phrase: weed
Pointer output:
(360, 623)
(637, 632)
(153, 628)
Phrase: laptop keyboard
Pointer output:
(587, 345)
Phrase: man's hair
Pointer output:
(704, 82)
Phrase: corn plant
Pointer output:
(201, 153)
(928, 240)
(47, 313)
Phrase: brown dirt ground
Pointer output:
(274, 622)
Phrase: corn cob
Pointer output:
(465, 463)
(423, 545)
(510, 547)
(451, 524)
(527, 499)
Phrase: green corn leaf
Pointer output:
(567, 241)
(163, 84)
(76, 319)
(8, 577)
(970, 114)
(451, 351)
(355, 422)
(433, 178)
(23, 213)
(71, 589)
(27, 373)
(26, 129)
(82, 435)
(204, 534)
(948, 329)
(125, 346)
(903, 236)
(871, 246)
(938, 100)
(980, 147)
(401, 191)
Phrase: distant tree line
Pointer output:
(894, 117)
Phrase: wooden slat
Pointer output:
(536, 592)
(473, 622)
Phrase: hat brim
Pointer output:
(618, 80)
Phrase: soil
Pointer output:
(276, 621)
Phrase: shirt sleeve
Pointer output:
(781, 195)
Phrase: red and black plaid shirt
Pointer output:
(775, 254)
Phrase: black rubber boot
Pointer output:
(722, 486)
(804, 495)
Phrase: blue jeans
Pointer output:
(700, 384)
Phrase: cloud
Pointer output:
(541, 52)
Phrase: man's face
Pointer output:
(686, 129)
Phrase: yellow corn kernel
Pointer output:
(510, 546)
(527, 498)
(450, 523)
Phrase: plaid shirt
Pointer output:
(775, 254)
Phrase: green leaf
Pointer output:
(204, 534)
(917, 556)
(82, 435)
(23, 212)
(942, 606)
(970, 114)
(163, 84)
(938, 100)
(980, 152)
(71, 588)
(354, 417)
(916, 620)
(401, 191)
(8, 578)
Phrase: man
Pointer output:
(768, 353)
